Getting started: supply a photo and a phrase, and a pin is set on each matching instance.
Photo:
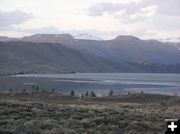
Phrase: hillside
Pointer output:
(46, 53)
(48, 57)
(122, 48)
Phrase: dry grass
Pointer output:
(87, 116)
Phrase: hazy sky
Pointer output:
(101, 18)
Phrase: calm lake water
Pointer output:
(101, 83)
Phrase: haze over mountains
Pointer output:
(59, 53)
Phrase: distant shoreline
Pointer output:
(73, 72)
(10, 74)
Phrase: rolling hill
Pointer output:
(61, 53)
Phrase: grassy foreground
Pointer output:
(57, 114)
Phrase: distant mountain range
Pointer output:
(62, 53)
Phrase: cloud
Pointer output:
(8, 19)
(144, 34)
(43, 30)
(125, 12)
(145, 12)
(166, 7)
(147, 18)
(139, 9)
(101, 8)
(109, 18)
(19, 32)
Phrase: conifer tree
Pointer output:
(93, 94)
(87, 94)
(111, 93)
(72, 93)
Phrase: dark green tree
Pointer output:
(37, 89)
(24, 91)
(72, 93)
(33, 88)
(52, 90)
(142, 94)
(82, 95)
(93, 94)
(111, 93)
(87, 94)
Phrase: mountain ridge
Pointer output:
(64, 53)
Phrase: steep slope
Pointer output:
(133, 50)
(48, 57)
(129, 49)
(122, 48)
(62, 53)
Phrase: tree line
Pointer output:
(91, 94)
(36, 90)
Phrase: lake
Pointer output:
(101, 83)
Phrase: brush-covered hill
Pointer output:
(51, 53)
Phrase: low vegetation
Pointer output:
(55, 114)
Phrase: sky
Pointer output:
(105, 19)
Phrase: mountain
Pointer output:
(5, 39)
(122, 48)
(52, 38)
(48, 57)
(47, 53)
(129, 49)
